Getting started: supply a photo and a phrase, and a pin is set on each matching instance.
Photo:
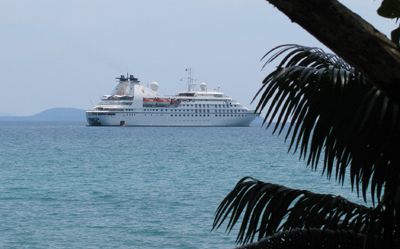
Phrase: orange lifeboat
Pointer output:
(163, 102)
(149, 102)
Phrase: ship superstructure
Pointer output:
(131, 104)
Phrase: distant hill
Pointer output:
(55, 114)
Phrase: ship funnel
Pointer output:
(122, 78)
(122, 88)
(134, 80)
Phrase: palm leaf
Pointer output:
(335, 118)
(268, 208)
(310, 238)
(335, 115)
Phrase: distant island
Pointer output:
(55, 114)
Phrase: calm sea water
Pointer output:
(65, 185)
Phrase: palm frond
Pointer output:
(268, 208)
(310, 238)
(334, 117)
(333, 113)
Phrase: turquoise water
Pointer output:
(65, 185)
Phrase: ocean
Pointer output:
(66, 185)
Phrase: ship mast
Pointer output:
(191, 80)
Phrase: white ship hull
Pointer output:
(168, 119)
(128, 105)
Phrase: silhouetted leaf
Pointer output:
(268, 208)
(334, 99)
(389, 9)
(310, 238)
(337, 119)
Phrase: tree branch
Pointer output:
(350, 37)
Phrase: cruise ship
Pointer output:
(131, 104)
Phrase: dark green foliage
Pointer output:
(269, 208)
(391, 9)
(336, 114)
(335, 118)
(310, 238)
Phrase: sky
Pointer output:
(68, 53)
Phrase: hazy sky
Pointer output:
(67, 53)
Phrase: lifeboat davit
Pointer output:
(149, 102)
(163, 102)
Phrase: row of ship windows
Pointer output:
(183, 115)
(114, 103)
(173, 110)
(196, 110)
(183, 105)
(111, 109)
(208, 105)
(216, 115)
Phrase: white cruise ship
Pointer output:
(131, 104)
